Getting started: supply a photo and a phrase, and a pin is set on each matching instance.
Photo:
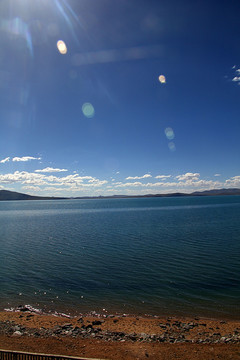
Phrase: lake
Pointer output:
(158, 256)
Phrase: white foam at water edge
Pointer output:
(31, 309)
(23, 308)
(60, 314)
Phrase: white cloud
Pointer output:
(50, 170)
(25, 158)
(76, 179)
(138, 177)
(95, 183)
(233, 182)
(31, 188)
(238, 71)
(188, 176)
(75, 182)
(217, 174)
(162, 176)
(140, 184)
(165, 184)
(59, 190)
(18, 176)
(236, 78)
(136, 183)
(5, 160)
(203, 184)
(188, 185)
(93, 180)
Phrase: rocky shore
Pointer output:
(117, 329)
(170, 331)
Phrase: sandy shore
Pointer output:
(121, 337)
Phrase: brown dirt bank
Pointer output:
(120, 337)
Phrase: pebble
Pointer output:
(17, 333)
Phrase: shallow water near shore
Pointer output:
(163, 256)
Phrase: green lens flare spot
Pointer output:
(88, 110)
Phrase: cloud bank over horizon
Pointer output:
(50, 182)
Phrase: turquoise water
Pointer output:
(165, 256)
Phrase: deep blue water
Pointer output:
(166, 256)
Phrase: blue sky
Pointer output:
(94, 119)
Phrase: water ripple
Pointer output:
(152, 255)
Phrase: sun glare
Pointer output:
(162, 79)
(62, 48)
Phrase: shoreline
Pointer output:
(112, 336)
(108, 313)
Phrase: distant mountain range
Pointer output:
(12, 195)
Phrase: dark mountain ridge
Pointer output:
(12, 195)
(6, 195)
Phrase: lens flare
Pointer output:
(169, 133)
(88, 110)
(69, 16)
(62, 48)
(18, 28)
(172, 146)
(162, 79)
